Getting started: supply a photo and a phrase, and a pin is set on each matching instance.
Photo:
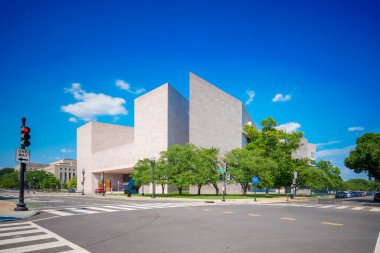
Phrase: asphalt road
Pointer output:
(155, 226)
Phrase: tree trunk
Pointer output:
(245, 187)
(199, 189)
(180, 190)
(278, 190)
(266, 191)
(163, 189)
(216, 188)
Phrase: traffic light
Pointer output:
(221, 176)
(25, 137)
(228, 177)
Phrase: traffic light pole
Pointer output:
(224, 186)
(21, 206)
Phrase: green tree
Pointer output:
(244, 164)
(360, 184)
(366, 156)
(179, 162)
(142, 172)
(333, 174)
(9, 180)
(4, 171)
(277, 145)
(313, 178)
(206, 166)
(72, 183)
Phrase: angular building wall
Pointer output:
(216, 118)
(161, 119)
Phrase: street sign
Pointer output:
(22, 155)
(255, 180)
(222, 170)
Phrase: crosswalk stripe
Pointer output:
(325, 206)
(101, 209)
(15, 228)
(79, 210)
(358, 208)
(14, 224)
(42, 239)
(138, 207)
(56, 212)
(341, 207)
(121, 208)
(375, 209)
(24, 239)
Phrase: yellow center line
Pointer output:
(254, 215)
(331, 223)
(287, 218)
(229, 212)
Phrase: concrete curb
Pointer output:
(20, 215)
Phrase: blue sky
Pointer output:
(311, 63)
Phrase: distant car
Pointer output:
(99, 190)
(73, 190)
(376, 197)
(349, 194)
(341, 195)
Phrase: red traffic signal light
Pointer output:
(25, 130)
(25, 137)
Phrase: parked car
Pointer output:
(72, 190)
(376, 197)
(349, 194)
(340, 195)
(99, 190)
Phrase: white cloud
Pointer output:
(123, 85)
(63, 150)
(281, 98)
(91, 105)
(334, 152)
(72, 119)
(357, 128)
(289, 127)
(251, 95)
(327, 143)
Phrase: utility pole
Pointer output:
(104, 188)
(153, 161)
(21, 206)
(224, 183)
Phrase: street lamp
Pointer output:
(83, 171)
(104, 189)
(153, 161)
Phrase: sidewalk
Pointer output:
(7, 212)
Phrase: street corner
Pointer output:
(7, 212)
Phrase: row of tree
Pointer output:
(36, 180)
(268, 156)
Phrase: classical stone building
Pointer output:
(63, 169)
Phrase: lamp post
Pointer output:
(104, 188)
(83, 171)
(153, 161)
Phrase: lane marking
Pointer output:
(358, 208)
(80, 210)
(100, 209)
(325, 206)
(287, 218)
(229, 212)
(254, 215)
(331, 223)
(56, 212)
(341, 207)
(375, 209)
(206, 210)
(377, 247)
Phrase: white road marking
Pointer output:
(34, 247)
(341, 207)
(325, 206)
(79, 210)
(358, 208)
(100, 209)
(375, 209)
(377, 247)
(121, 208)
(56, 212)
